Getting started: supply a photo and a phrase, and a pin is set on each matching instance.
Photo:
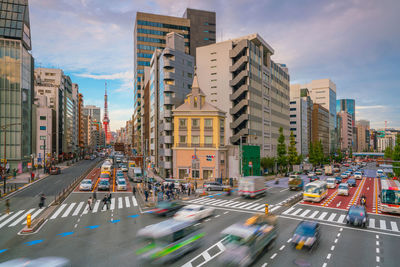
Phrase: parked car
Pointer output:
(166, 208)
(86, 185)
(124, 168)
(357, 215)
(214, 186)
(306, 235)
(55, 170)
(352, 182)
(343, 189)
(193, 213)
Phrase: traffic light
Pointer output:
(210, 157)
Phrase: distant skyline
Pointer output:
(352, 42)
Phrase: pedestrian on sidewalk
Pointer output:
(90, 201)
(32, 176)
(41, 202)
(189, 188)
(8, 206)
(94, 195)
(109, 198)
(134, 190)
(146, 194)
(105, 202)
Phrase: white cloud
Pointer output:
(127, 75)
(370, 107)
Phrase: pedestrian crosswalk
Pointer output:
(339, 217)
(224, 203)
(15, 218)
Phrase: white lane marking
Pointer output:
(330, 219)
(335, 240)
(322, 216)
(314, 214)
(377, 236)
(120, 205)
(4, 216)
(216, 216)
(333, 248)
(329, 256)
(281, 248)
(324, 265)
(60, 209)
(378, 259)
(206, 220)
(17, 221)
(66, 213)
(378, 251)
(127, 203)
(197, 224)
(383, 224)
(274, 208)
(287, 211)
(78, 208)
(283, 190)
(305, 213)
(273, 256)
(76, 225)
(338, 235)
(296, 212)
(11, 218)
(35, 214)
(377, 243)
(226, 212)
(206, 256)
(96, 206)
(289, 240)
(341, 218)
(341, 229)
(85, 210)
(338, 204)
(112, 206)
(394, 226)
(264, 265)
(134, 202)
(371, 223)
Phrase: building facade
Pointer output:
(346, 130)
(198, 28)
(171, 77)
(16, 84)
(93, 111)
(363, 135)
(198, 149)
(320, 127)
(258, 90)
(349, 106)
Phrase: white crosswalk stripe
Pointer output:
(383, 224)
(17, 221)
(69, 209)
(322, 216)
(34, 215)
(288, 211)
(330, 219)
(297, 211)
(341, 218)
(134, 202)
(304, 213)
(371, 223)
(314, 214)
(127, 203)
(96, 206)
(274, 208)
(394, 226)
(4, 216)
(11, 218)
(112, 207)
(60, 209)
(120, 205)
(78, 208)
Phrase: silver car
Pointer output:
(213, 186)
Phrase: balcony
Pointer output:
(242, 89)
(168, 100)
(167, 139)
(168, 126)
(168, 152)
(238, 64)
(238, 48)
(235, 138)
(166, 164)
(243, 103)
(242, 75)
(167, 113)
(239, 120)
(169, 75)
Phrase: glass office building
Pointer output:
(16, 83)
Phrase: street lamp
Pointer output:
(3, 128)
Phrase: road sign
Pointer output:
(250, 164)
(29, 165)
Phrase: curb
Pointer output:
(293, 199)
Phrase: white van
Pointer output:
(379, 173)
(331, 182)
(343, 189)
(252, 186)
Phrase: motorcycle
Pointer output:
(363, 201)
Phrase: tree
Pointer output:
(319, 153)
(351, 152)
(292, 151)
(388, 152)
(339, 156)
(267, 163)
(396, 157)
(311, 154)
(281, 149)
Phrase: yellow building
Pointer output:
(199, 135)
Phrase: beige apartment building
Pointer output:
(239, 77)
(320, 127)
(363, 136)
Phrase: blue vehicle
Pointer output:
(338, 179)
(306, 235)
(357, 216)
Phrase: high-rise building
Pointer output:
(346, 130)
(323, 92)
(363, 135)
(171, 76)
(16, 84)
(301, 117)
(82, 130)
(258, 90)
(349, 106)
(198, 28)
(320, 127)
(93, 111)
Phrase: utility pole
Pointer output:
(241, 157)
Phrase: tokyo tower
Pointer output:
(106, 120)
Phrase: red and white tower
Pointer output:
(106, 120)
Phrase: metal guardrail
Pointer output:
(66, 191)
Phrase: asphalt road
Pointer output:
(108, 237)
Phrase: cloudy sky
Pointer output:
(355, 43)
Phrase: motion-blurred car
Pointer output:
(343, 189)
(87, 157)
(104, 175)
(121, 184)
(358, 175)
(213, 186)
(167, 241)
(104, 184)
(344, 175)
(55, 170)
(306, 235)
(166, 208)
(331, 182)
(193, 213)
(318, 172)
(86, 185)
(357, 215)
(352, 182)
(314, 178)
(124, 168)
(338, 179)
(310, 174)
(43, 262)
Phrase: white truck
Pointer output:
(135, 174)
(328, 170)
(252, 186)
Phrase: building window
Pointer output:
(42, 118)
(292, 109)
(195, 102)
(292, 102)
(213, 87)
(189, 63)
(222, 125)
(208, 140)
(214, 73)
(182, 123)
(293, 129)
(292, 115)
(206, 39)
(195, 139)
(214, 80)
(182, 139)
(43, 128)
(293, 122)
(208, 123)
(213, 53)
(195, 123)
(207, 174)
(222, 139)
(189, 75)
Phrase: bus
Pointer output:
(315, 191)
(390, 196)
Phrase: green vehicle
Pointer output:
(295, 182)
(167, 241)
